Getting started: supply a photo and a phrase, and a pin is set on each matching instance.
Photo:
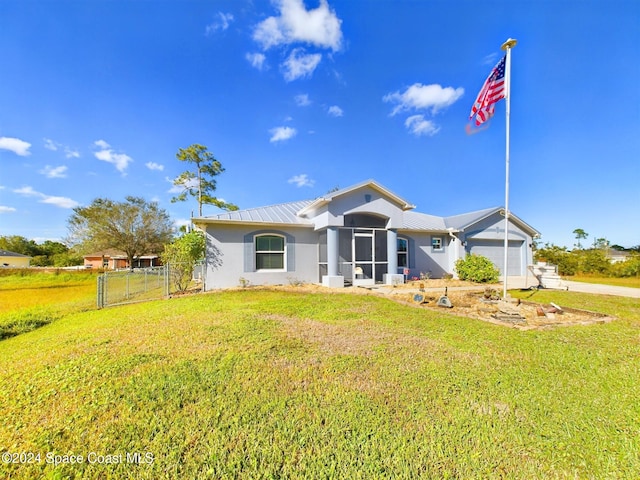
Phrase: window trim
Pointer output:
(405, 253)
(433, 247)
(256, 252)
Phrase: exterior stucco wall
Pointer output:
(231, 256)
(364, 200)
(490, 231)
(492, 228)
(423, 258)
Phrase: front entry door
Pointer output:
(364, 261)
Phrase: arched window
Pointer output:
(270, 252)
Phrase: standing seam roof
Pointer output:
(280, 213)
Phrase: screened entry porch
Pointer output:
(362, 255)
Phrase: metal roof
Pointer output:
(282, 214)
(465, 220)
(459, 222)
(422, 221)
(291, 213)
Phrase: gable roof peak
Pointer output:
(328, 197)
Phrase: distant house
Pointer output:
(13, 260)
(116, 260)
(360, 235)
(617, 256)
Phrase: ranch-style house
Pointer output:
(360, 235)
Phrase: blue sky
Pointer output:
(298, 97)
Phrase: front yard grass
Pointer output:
(273, 384)
(615, 281)
(30, 300)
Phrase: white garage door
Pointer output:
(494, 251)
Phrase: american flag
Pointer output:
(491, 92)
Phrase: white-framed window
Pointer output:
(270, 252)
(403, 252)
(437, 244)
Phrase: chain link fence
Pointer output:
(142, 284)
(127, 286)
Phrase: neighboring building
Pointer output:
(360, 235)
(13, 260)
(116, 260)
(617, 256)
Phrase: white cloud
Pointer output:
(62, 202)
(54, 172)
(101, 144)
(15, 145)
(55, 146)
(319, 26)
(423, 97)
(257, 60)
(5, 209)
(180, 188)
(335, 111)
(154, 166)
(421, 127)
(69, 153)
(302, 180)
(300, 64)
(106, 154)
(302, 100)
(279, 134)
(26, 191)
(50, 144)
(221, 22)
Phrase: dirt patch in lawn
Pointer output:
(472, 300)
(486, 305)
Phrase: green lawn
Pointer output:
(267, 384)
(618, 282)
(29, 299)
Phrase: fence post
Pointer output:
(167, 282)
(100, 293)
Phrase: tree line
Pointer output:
(594, 260)
(134, 226)
(45, 254)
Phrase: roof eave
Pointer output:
(429, 230)
(501, 210)
(216, 221)
(324, 200)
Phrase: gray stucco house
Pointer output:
(360, 235)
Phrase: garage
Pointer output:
(494, 251)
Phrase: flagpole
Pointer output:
(507, 46)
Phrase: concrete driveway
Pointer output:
(530, 281)
(602, 289)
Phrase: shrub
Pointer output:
(594, 261)
(477, 268)
(628, 268)
(181, 255)
(567, 262)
